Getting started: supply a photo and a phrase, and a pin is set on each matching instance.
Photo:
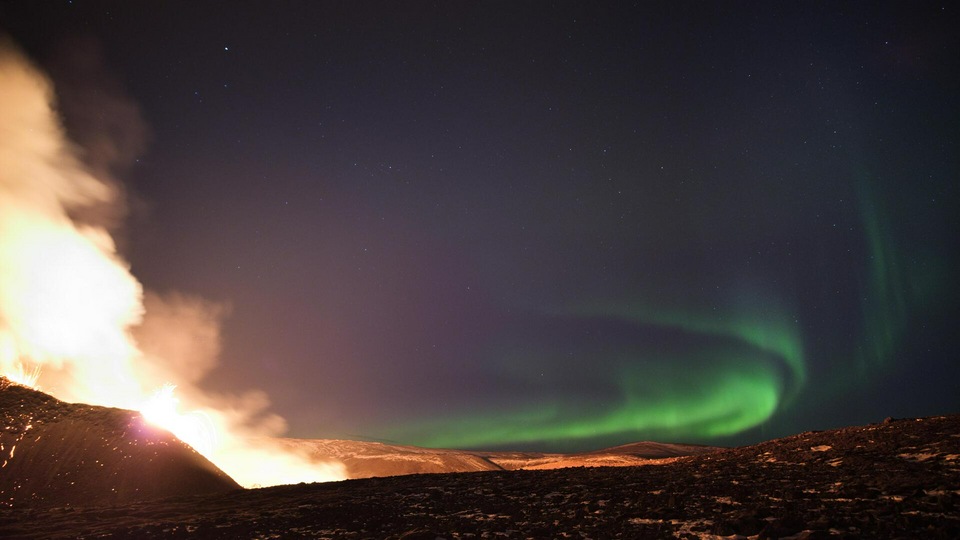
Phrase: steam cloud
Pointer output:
(68, 301)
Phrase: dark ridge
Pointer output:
(54, 453)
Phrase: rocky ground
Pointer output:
(898, 479)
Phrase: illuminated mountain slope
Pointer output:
(64, 454)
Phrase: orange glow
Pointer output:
(194, 428)
(73, 317)
(23, 376)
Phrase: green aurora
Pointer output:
(755, 368)
(706, 393)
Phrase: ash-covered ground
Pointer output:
(898, 479)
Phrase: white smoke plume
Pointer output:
(70, 306)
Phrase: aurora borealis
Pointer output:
(739, 365)
(551, 225)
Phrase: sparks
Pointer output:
(23, 376)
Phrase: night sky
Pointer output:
(537, 224)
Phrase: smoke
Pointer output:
(65, 296)
(69, 303)
(179, 338)
(96, 109)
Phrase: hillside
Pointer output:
(64, 454)
(898, 479)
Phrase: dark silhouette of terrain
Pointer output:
(897, 479)
(54, 453)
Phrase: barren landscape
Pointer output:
(895, 479)
(479, 270)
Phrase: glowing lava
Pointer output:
(194, 428)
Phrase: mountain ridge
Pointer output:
(365, 459)
(54, 453)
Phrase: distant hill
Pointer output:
(54, 453)
(372, 459)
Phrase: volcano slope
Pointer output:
(899, 479)
(54, 453)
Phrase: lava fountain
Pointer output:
(76, 322)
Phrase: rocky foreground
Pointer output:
(899, 479)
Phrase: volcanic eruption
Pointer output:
(76, 323)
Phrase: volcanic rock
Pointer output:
(54, 453)
(893, 480)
